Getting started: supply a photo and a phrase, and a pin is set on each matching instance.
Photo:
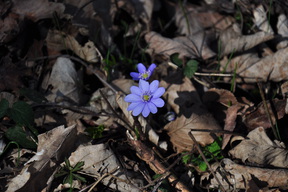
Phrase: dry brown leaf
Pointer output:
(185, 46)
(53, 147)
(230, 123)
(178, 130)
(233, 41)
(258, 148)
(64, 81)
(282, 29)
(59, 41)
(239, 176)
(251, 68)
(36, 10)
(191, 20)
(104, 162)
(261, 20)
(259, 118)
(181, 96)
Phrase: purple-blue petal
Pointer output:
(159, 92)
(141, 68)
(154, 85)
(152, 107)
(152, 67)
(132, 106)
(138, 109)
(144, 85)
(132, 98)
(145, 111)
(158, 102)
(136, 90)
(135, 76)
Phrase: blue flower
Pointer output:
(143, 73)
(145, 98)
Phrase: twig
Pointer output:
(147, 155)
(205, 160)
(275, 132)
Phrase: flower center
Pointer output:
(146, 96)
(145, 75)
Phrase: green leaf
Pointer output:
(80, 178)
(175, 59)
(202, 166)
(190, 68)
(78, 166)
(21, 113)
(18, 135)
(186, 159)
(95, 132)
(4, 105)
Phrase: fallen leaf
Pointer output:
(233, 41)
(259, 118)
(36, 10)
(259, 149)
(64, 81)
(104, 162)
(185, 46)
(180, 95)
(59, 41)
(282, 29)
(250, 68)
(178, 130)
(53, 147)
(235, 176)
(261, 20)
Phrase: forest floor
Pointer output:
(151, 95)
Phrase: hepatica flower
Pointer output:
(145, 98)
(143, 72)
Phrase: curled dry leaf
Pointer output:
(259, 149)
(59, 41)
(282, 29)
(36, 10)
(53, 147)
(105, 162)
(259, 118)
(186, 46)
(261, 21)
(64, 81)
(250, 68)
(178, 130)
(233, 41)
(239, 176)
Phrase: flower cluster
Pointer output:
(145, 98)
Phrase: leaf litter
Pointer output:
(65, 71)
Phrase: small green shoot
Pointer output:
(211, 152)
(95, 132)
(70, 172)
